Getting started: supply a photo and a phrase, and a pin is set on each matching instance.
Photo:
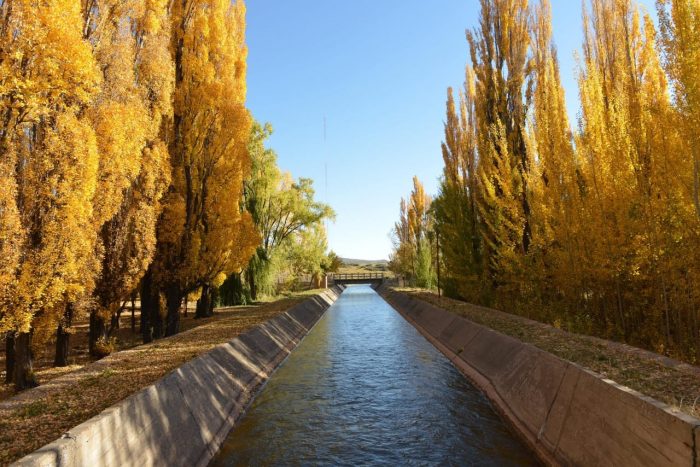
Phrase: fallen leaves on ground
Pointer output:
(39, 416)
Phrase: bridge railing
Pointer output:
(357, 276)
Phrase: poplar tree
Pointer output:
(554, 179)
(412, 256)
(499, 55)
(401, 260)
(203, 232)
(624, 105)
(455, 208)
(49, 76)
(680, 29)
(679, 22)
(131, 43)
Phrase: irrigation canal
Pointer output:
(364, 387)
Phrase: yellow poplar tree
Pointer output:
(51, 150)
(632, 196)
(679, 22)
(131, 44)
(499, 54)
(556, 247)
(680, 28)
(203, 232)
(401, 258)
(412, 255)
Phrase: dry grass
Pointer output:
(70, 396)
(670, 381)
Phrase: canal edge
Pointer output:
(158, 426)
(562, 424)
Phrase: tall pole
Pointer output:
(325, 159)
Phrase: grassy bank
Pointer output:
(670, 381)
(36, 417)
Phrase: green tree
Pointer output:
(280, 207)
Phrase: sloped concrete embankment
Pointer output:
(183, 418)
(567, 414)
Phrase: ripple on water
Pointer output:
(364, 388)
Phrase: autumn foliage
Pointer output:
(594, 229)
(123, 151)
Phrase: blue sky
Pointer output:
(378, 71)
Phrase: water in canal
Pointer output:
(364, 387)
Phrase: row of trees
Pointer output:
(124, 166)
(596, 230)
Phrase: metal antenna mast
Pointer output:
(325, 159)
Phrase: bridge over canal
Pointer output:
(372, 278)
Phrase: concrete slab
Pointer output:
(152, 427)
(607, 423)
(305, 314)
(263, 346)
(458, 334)
(568, 415)
(490, 353)
(60, 452)
(291, 327)
(215, 407)
(234, 359)
(550, 432)
(530, 384)
(183, 418)
(434, 320)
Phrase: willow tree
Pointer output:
(304, 252)
(203, 231)
(280, 208)
(48, 77)
(499, 55)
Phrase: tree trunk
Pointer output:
(9, 356)
(214, 300)
(173, 302)
(133, 314)
(150, 307)
(205, 304)
(24, 377)
(157, 320)
(114, 322)
(252, 285)
(98, 331)
(63, 337)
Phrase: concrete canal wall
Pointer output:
(567, 414)
(184, 417)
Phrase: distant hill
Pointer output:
(363, 262)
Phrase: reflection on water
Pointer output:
(365, 388)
